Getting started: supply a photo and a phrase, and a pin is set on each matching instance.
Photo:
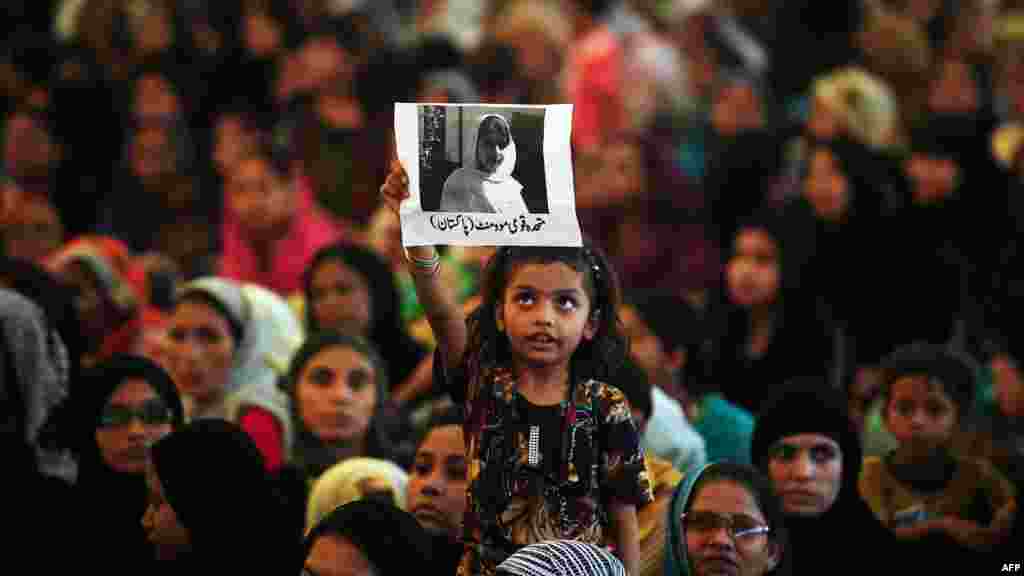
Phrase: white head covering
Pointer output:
(270, 335)
(508, 153)
(561, 558)
(342, 483)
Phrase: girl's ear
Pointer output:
(593, 324)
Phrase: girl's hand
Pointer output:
(396, 186)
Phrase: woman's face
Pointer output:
(823, 123)
(333, 555)
(826, 187)
(489, 147)
(932, 178)
(155, 97)
(230, 143)
(261, 198)
(341, 300)
(1008, 385)
(151, 152)
(88, 299)
(134, 417)
(753, 272)
(713, 550)
(336, 394)
(201, 350)
(955, 90)
(806, 471)
(161, 523)
(437, 484)
(624, 169)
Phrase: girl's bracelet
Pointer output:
(424, 267)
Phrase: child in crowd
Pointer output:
(922, 489)
(553, 451)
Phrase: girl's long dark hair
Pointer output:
(597, 358)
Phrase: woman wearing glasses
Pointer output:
(726, 520)
(119, 408)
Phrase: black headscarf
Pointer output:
(112, 503)
(387, 332)
(809, 407)
(213, 477)
(804, 332)
(390, 538)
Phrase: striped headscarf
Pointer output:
(561, 558)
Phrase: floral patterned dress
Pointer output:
(534, 511)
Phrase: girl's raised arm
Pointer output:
(438, 300)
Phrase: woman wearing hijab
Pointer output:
(488, 185)
(371, 537)
(805, 444)
(228, 344)
(764, 331)
(738, 498)
(356, 479)
(213, 509)
(121, 406)
(561, 558)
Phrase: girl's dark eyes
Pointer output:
(567, 303)
(456, 471)
(823, 453)
(422, 468)
(358, 379)
(321, 376)
(524, 298)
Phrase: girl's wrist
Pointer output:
(423, 260)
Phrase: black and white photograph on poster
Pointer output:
(482, 174)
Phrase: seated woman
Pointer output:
(120, 407)
(227, 344)
(337, 388)
(739, 499)
(487, 186)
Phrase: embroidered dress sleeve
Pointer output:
(624, 473)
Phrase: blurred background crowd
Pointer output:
(787, 190)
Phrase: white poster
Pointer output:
(487, 175)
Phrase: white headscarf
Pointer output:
(508, 153)
(561, 558)
(270, 335)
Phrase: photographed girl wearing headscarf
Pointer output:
(228, 343)
(213, 509)
(119, 408)
(488, 185)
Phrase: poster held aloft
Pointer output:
(487, 175)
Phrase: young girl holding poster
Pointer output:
(551, 448)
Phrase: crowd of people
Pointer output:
(783, 342)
